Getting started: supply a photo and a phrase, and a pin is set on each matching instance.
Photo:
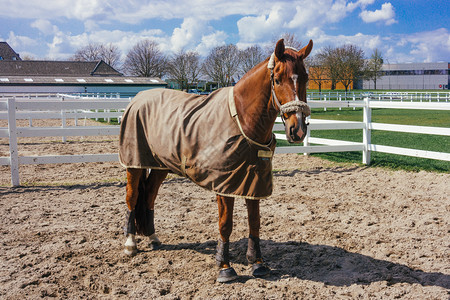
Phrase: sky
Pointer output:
(403, 30)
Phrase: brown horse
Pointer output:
(241, 167)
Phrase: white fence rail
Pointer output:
(380, 96)
(64, 108)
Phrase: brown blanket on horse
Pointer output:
(195, 136)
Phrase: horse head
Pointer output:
(288, 81)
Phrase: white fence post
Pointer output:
(13, 149)
(308, 134)
(63, 120)
(367, 119)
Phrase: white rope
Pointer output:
(295, 106)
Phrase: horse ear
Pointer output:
(305, 51)
(279, 49)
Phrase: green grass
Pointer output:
(396, 139)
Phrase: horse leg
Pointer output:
(254, 257)
(132, 190)
(226, 273)
(152, 185)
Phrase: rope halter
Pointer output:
(291, 106)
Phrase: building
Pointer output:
(33, 76)
(412, 76)
(319, 75)
(7, 53)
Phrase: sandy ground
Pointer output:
(329, 231)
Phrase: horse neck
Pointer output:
(252, 98)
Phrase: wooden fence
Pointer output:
(63, 108)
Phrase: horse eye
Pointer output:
(276, 81)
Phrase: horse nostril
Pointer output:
(292, 132)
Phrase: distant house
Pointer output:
(7, 53)
(43, 76)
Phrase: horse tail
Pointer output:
(144, 216)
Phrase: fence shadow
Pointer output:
(321, 263)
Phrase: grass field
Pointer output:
(396, 139)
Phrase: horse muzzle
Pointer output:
(296, 128)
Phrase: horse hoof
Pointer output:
(155, 243)
(226, 275)
(260, 270)
(130, 250)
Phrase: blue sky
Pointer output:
(403, 30)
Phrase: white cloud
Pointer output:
(385, 14)
(364, 3)
(210, 41)
(429, 46)
(19, 41)
(257, 28)
(188, 34)
(44, 26)
(78, 9)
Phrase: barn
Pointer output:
(19, 76)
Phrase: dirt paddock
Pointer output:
(329, 231)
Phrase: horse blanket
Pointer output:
(198, 137)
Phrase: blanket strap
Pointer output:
(234, 115)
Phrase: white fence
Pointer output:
(64, 108)
(381, 96)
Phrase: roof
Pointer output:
(7, 53)
(79, 80)
(56, 68)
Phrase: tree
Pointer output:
(344, 64)
(250, 57)
(318, 73)
(350, 64)
(184, 68)
(90, 52)
(222, 64)
(109, 53)
(328, 59)
(374, 67)
(146, 60)
(290, 40)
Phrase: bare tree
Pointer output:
(328, 59)
(146, 60)
(222, 64)
(350, 63)
(109, 53)
(374, 67)
(250, 57)
(344, 64)
(290, 40)
(90, 52)
(184, 68)
(318, 73)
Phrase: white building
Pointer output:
(413, 76)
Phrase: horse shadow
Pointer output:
(336, 170)
(322, 263)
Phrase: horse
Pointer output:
(222, 142)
